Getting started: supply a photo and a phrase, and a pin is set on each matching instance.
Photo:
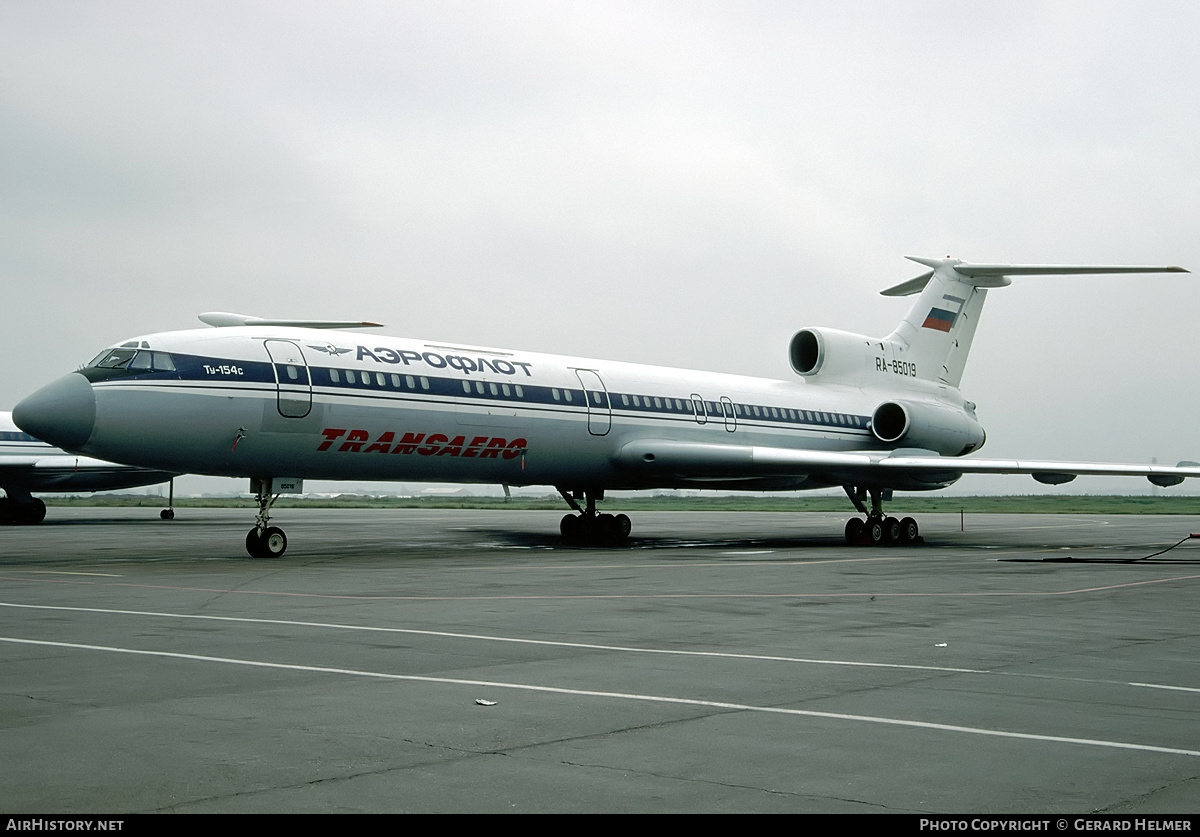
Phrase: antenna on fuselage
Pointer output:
(221, 319)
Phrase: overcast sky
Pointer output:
(679, 183)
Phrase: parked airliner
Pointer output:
(28, 464)
(279, 401)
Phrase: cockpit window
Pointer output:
(141, 362)
(133, 360)
(116, 359)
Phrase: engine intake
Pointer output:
(829, 353)
(938, 427)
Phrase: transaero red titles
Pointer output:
(435, 444)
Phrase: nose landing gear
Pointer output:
(265, 541)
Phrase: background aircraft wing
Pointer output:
(70, 473)
(904, 469)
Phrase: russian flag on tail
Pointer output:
(941, 318)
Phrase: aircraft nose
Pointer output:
(62, 413)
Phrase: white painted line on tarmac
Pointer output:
(485, 637)
(709, 704)
(591, 646)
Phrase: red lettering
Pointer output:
(477, 442)
(383, 443)
(330, 434)
(454, 448)
(435, 441)
(408, 443)
(494, 446)
(354, 441)
(437, 444)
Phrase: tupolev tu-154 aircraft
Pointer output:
(279, 401)
(28, 464)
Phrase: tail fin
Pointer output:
(936, 335)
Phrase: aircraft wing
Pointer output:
(31, 472)
(903, 469)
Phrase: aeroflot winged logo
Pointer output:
(330, 349)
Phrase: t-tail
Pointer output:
(932, 343)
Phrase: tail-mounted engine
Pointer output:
(829, 354)
(938, 427)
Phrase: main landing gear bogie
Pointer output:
(877, 528)
(881, 531)
(603, 529)
(28, 513)
(589, 527)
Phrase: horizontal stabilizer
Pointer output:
(220, 319)
(994, 275)
(1059, 269)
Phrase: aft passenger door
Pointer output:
(730, 413)
(598, 406)
(292, 381)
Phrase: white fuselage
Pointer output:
(275, 401)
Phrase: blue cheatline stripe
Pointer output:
(195, 368)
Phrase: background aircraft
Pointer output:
(279, 401)
(28, 465)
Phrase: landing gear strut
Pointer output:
(877, 528)
(265, 541)
(588, 527)
(169, 512)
